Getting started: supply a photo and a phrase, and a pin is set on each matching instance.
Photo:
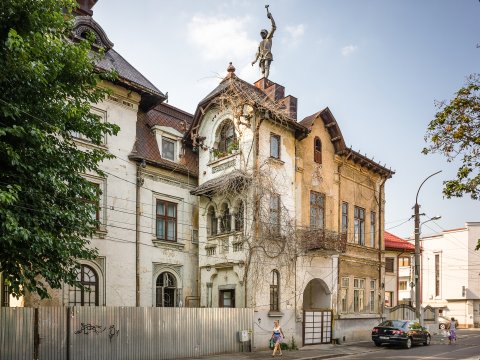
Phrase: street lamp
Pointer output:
(417, 251)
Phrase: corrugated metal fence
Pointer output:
(104, 333)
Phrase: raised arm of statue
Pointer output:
(274, 27)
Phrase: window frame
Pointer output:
(359, 225)
(344, 217)
(221, 298)
(166, 218)
(173, 142)
(240, 216)
(437, 274)
(161, 288)
(225, 220)
(317, 210)
(212, 221)
(402, 285)
(373, 225)
(5, 293)
(359, 295)
(275, 211)
(82, 291)
(389, 260)
(373, 295)
(224, 139)
(276, 148)
(275, 291)
(317, 150)
(345, 285)
(404, 259)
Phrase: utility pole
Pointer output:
(417, 253)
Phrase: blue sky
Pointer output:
(378, 65)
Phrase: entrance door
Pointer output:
(317, 327)
(227, 298)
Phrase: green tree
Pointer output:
(455, 133)
(47, 84)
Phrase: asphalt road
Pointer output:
(466, 347)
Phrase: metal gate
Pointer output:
(317, 327)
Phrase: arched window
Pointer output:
(240, 217)
(227, 137)
(274, 291)
(212, 221)
(88, 295)
(166, 290)
(226, 221)
(317, 151)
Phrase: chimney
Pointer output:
(85, 7)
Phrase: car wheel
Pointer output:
(408, 343)
(427, 341)
(378, 343)
(442, 326)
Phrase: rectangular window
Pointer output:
(344, 218)
(317, 210)
(358, 295)
(166, 220)
(389, 264)
(373, 218)
(344, 294)
(373, 297)
(95, 213)
(404, 261)
(274, 293)
(275, 146)
(227, 298)
(389, 298)
(275, 211)
(359, 225)
(5, 293)
(402, 285)
(437, 274)
(168, 149)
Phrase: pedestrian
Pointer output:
(277, 336)
(453, 331)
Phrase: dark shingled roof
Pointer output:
(114, 61)
(233, 83)
(128, 76)
(230, 182)
(146, 146)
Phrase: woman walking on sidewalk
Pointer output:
(453, 331)
(277, 336)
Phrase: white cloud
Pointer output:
(349, 50)
(221, 38)
(295, 32)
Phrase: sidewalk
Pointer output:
(313, 352)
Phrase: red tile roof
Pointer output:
(393, 242)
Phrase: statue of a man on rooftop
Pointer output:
(264, 52)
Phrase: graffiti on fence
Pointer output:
(86, 329)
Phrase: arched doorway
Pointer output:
(317, 313)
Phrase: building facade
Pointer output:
(399, 259)
(450, 276)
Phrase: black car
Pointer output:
(400, 332)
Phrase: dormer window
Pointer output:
(168, 149)
(169, 142)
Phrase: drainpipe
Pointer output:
(139, 184)
(380, 234)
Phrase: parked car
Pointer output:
(444, 322)
(400, 332)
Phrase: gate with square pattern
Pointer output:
(317, 327)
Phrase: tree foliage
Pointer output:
(455, 133)
(47, 84)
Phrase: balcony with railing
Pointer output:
(322, 239)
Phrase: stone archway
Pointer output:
(317, 314)
(317, 295)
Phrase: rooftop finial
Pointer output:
(231, 68)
